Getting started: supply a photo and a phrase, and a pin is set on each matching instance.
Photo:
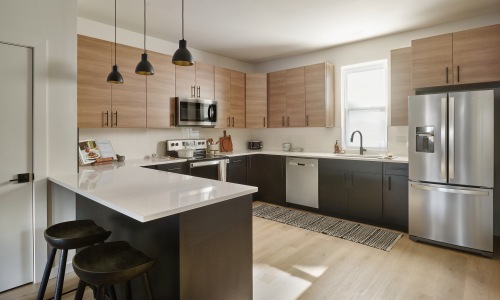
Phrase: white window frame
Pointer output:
(349, 69)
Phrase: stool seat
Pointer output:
(109, 264)
(75, 234)
(65, 236)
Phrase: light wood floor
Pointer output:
(292, 263)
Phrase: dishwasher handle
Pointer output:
(294, 163)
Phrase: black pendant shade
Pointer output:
(115, 76)
(144, 67)
(182, 57)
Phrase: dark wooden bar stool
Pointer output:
(65, 236)
(107, 264)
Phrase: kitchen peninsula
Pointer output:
(198, 230)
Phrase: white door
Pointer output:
(16, 208)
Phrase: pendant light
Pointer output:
(182, 57)
(144, 67)
(115, 76)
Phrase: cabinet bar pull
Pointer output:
(173, 169)
(307, 120)
(288, 121)
(235, 161)
(192, 91)
(233, 121)
(228, 122)
(458, 73)
(283, 121)
(446, 74)
(264, 122)
(107, 118)
(199, 91)
(390, 183)
(116, 119)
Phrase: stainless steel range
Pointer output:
(201, 163)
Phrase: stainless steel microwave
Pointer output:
(195, 112)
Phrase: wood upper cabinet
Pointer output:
(277, 99)
(476, 55)
(223, 96)
(129, 99)
(160, 91)
(432, 61)
(295, 97)
(237, 99)
(470, 56)
(301, 97)
(256, 100)
(319, 87)
(196, 81)
(400, 85)
(94, 93)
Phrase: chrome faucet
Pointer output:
(361, 149)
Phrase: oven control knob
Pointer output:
(172, 144)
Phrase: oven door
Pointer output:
(212, 169)
(195, 112)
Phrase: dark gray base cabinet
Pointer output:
(180, 168)
(237, 170)
(395, 209)
(267, 172)
(351, 188)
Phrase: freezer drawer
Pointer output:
(452, 215)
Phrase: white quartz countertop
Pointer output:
(349, 156)
(145, 194)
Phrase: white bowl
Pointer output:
(185, 153)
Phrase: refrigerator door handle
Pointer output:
(451, 139)
(443, 138)
(448, 190)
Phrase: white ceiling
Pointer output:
(256, 31)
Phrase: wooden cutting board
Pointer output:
(226, 144)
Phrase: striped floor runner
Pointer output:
(355, 232)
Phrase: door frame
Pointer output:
(39, 138)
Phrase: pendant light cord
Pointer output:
(144, 26)
(182, 19)
(115, 32)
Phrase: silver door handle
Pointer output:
(443, 138)
(451, 139)
(448, 190)
(204, 163)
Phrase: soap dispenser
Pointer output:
(337, 147)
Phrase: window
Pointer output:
(364, 95)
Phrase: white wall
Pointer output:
(49, 27)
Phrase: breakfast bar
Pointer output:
(199, 231)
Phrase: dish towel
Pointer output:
(222, 170)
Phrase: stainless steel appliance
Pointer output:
(302, 181)
(195, 112)
(201, 164)
(451, 160)
(255, 145)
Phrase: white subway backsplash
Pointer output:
(141, 142)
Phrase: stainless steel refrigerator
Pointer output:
(451, 165)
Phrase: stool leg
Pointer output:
(111, 292)
(46, 274)
(128, 291)
(100, 293)
(60, 277)
(80, 290)
(147, 286)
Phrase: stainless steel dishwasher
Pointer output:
(302, 181)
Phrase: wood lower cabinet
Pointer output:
(352, 188)
(94, 93)
(400, 85)
(160, 92)
(470, 56)
(237, 170)
(267, 172)
(395, 195)
(256, 100)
